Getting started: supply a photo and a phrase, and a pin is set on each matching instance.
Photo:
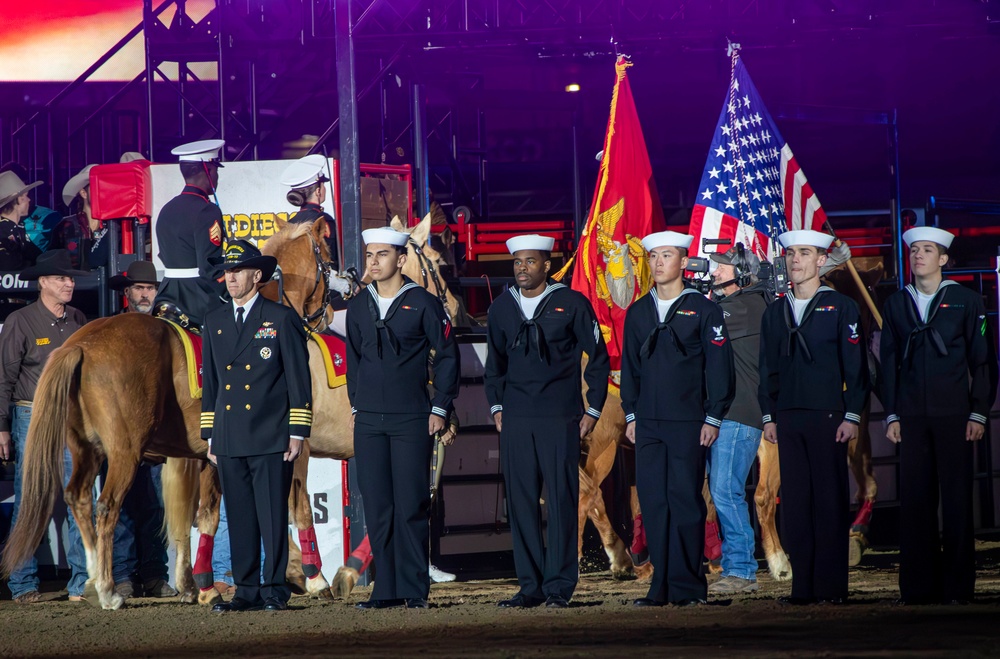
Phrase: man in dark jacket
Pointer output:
(677, 384)
(538, 332)
(940, 379)
(732, 455)
(813, 387)
(256, 412)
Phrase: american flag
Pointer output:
(753, 188)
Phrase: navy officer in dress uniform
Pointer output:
(256, 412)
(813, 387)
(189, 234)
(940, 377)
(537, 334)
(676, 387)
(391, 330)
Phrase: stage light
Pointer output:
(573, 87)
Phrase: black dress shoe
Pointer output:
(556, 602)
(274, 604)
(417, 603)
(788, 600)
(646, 601)
(690, 601)
(236, 604)
(378, 604)
(520, 601)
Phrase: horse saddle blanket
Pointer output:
(192, 351)
(334, 352)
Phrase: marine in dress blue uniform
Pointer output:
(813, 388)
(256, 410)
(189, 234)
(392, 328)
(676, 387)
(307, 179)
(940, 380)
(538, 332)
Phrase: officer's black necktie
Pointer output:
(239, 320)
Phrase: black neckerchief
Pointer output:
(920, 326)
(795, 330)
(381, 324)
(649, 345)
(529, 326)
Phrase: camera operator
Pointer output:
(743, 299)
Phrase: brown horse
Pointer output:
(601, 447)
(103, 406)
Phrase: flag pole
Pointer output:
(857, 277)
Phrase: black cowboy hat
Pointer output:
(53, 263)
(242, 254)
(139, 272)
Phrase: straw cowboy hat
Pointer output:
(12, 187)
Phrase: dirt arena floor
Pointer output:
(464, 621)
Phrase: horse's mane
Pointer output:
(285, 235)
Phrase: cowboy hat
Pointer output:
(139, 272)
(242, 254)
(75, 184)
(53, 263)
(12, 187)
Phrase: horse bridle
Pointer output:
(323, 271)
(430, 274)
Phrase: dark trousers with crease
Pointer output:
(814, 502)
(669, 474)
(936, 466)
(256, 491)
(534, 451)
(393, 453)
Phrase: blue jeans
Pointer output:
(729, 462)
(222, 558)
(24, 578)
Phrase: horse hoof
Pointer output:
(855, 551)
(644, 571)
(344, 581)
(209, 597)
(714, 567)
(623, 574)
(90, 595)
(779, 567)
(114, 602)
(325, 594)
(317, 587)
(189, 597)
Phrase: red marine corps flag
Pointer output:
(611, 268)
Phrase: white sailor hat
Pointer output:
(666, 239)
(530, 241)
(75, 184)
(304, 171)
(200, 151)
(384, 236)
(933, 234)
(808, 237)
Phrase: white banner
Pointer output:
(249, 194)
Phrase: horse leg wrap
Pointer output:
(638, 536)
(864, 517)
(202, 572)
(361, 557)
(713, 545)
(312, 563)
